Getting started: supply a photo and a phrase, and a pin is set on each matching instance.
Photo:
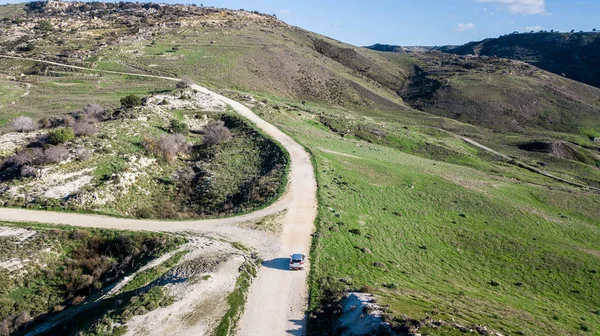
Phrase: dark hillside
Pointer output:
(496, 93)
(573, 55)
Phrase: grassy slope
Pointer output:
(457, 230)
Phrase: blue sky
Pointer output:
(421, 22)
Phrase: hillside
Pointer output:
(572, 55)
(447, 236)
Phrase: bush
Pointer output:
(216, 133)
(93, 111)
(61, 135)
(44, 25)
(172, 145)
(178, 127)
(167, 146)
(44, 123)
(56, 154)
(28, 171)
(131, 101)
(185, 83)
(83, 154)
(85, 127)
(23, 124)
(31, 156)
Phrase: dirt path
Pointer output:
(524, 165)
(278, 297)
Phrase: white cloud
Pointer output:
(284, 11)
(534, 28)
(519, 6)
(463, 27)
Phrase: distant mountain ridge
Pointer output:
(399, 49)
(572, 55)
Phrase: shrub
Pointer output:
(44, 123)
(93, 111)
(185, 83)
(171, 145)
(83, 154)
(167, 146)
(31, 156)
(61, 135)
(28, 171)
(85, 127)
(146, 212)
(355, 231)
(178, 127)
(216, 133)
(44, 25)
(56, 154)
(23, 124)
(66, 121)
(131, 101)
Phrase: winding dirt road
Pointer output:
(278, 297)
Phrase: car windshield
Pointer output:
(297, 257)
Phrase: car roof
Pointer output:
(297, 256)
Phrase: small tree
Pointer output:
(185, 83)
(61, 135)
(215, 133)
(23, 124)
(131, 101)
(594, 30)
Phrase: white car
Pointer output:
(297, 261)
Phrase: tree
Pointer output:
(216, 133)
(131, 101)
(594, 30)
(61, 135)
(23, 124)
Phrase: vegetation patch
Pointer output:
(145, 161)
(63, 266)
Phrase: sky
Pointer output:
(420, 22)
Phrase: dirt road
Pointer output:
(278, 297)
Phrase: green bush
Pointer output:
(45, 25)
(178, 127)
(61, 135)
(131, 101)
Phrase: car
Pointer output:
(297, 261)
